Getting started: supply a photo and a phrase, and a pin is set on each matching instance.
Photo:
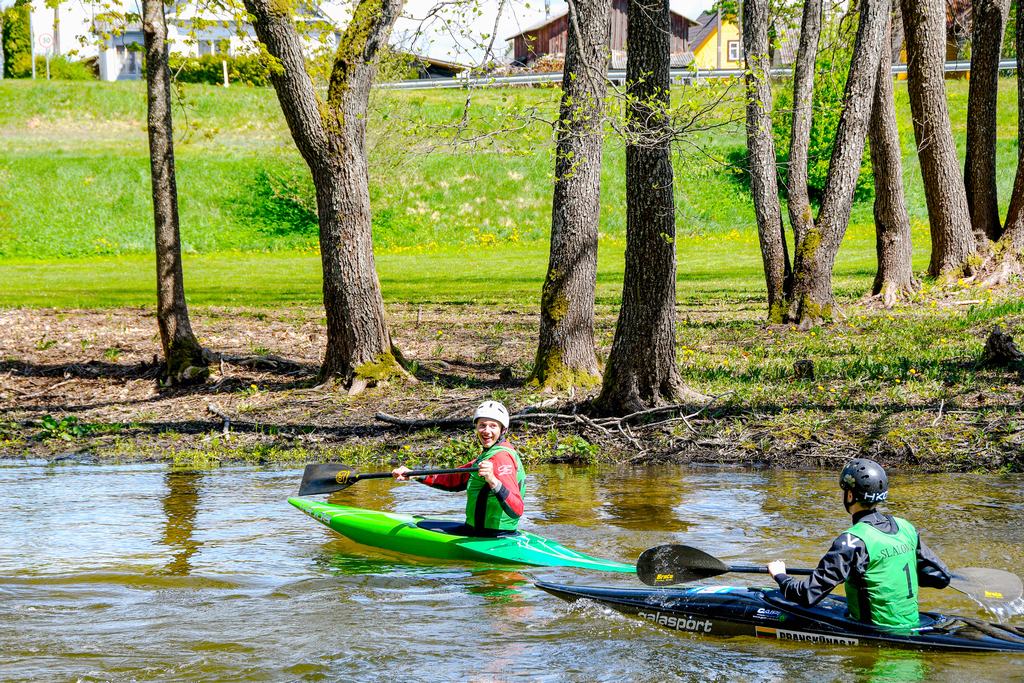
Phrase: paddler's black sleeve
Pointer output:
(846, 555)
(931, 572)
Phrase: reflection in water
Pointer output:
(498, 586)
(888, 666)
(180, 507)
(507, 611)
(362, 560)
(564, 495)
(662, 490)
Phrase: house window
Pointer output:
(206, 47)
(134, 64)
(735, 54)
(129, 61)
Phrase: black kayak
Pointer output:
(764, 613)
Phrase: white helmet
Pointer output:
(492, 410)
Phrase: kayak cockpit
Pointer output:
(834, 610)
(453, 528)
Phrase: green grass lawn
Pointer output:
(449, 224)
(710, 269)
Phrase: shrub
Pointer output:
(62, 68)
(242, 69)
(17, 43)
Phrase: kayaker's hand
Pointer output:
(399, 473)
(776, 567)
(487, 472)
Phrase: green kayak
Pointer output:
(416, 535)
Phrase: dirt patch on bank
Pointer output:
(82, 384)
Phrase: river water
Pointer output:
(143, 573)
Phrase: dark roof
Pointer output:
(433, 61)
(707, 22)
(558, 15)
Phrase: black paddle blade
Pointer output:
(987, 586)
(666, 565)
(326, 477)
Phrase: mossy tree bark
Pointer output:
(989, 19)
(183, 355)
(641, 371)
(565, 352)
(761, 158)
(813, 299)
(894, 279)
(801, 217)
(331, 136)
(954, 247)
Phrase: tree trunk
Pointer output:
(801, 217)
(1010, 248)
(56, 29)
(641, 370)
(565, 351)
(761, 158)
(954, 248)
(799, 202)
(182, 352)
(895, 277)
(331, 136)
(980, 166)
(813, 300)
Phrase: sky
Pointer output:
(450, 40)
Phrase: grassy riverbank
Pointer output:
(462, 252)
(904, 386)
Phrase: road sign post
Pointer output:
(45, 42)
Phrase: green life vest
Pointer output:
(889, 586)
(483, 511)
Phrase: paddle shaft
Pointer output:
(962, 584)
(957, 582)
(668, 565)
(760, 569)
(330, 477)
(413, 473)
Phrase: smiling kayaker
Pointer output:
(881, 558)
(494, 494)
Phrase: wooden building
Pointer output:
(549, 37)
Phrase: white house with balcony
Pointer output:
(114, 34)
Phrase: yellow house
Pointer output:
(715, 44)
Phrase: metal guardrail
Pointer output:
(619, 76)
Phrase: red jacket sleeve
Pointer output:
(449, 482)
(508, 494)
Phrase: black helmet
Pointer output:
(866, 479)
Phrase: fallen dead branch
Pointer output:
(226, 429)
